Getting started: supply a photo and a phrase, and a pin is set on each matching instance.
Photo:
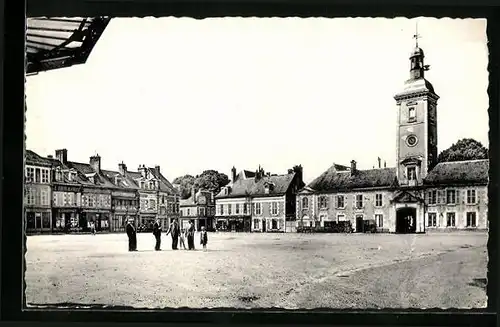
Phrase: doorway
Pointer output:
(406, 219)
(359, 224)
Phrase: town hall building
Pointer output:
(418, 194)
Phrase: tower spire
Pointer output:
(416, 36)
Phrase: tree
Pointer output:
(464, 149)
(210, 180)
(186, 182)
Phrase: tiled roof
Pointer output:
(187, 202)
(34, 159)
(249, 174)
(415, 86)
(134, 174)
(459, 172)
(253, 188)
(123, 181)
(85, 169)
(165, 185)
(335, 179)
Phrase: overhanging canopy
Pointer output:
(56, 42)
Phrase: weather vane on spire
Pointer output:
(416, 36)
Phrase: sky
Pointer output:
(192, 95)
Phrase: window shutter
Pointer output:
(327, 201)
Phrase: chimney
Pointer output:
(142, 170)
(299, 171)
(385, 164)
(379, 162)
(193, 193)
(158, 169)
(353, 167)
(122, 168)
(62, 155)
(233, 174)
(95, 162)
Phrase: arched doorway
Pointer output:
(406, 220)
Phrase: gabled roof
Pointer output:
(56, 42)
(341, 180)
(256, 188)
(165, 185)
(459, 172)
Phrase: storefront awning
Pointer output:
(53, 43)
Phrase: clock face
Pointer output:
(411, 140)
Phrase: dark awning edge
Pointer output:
(62, 57)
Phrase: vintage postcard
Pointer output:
(292, 163)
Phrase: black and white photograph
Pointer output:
(253, 163)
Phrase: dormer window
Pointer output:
(58, 174)
(412, 114)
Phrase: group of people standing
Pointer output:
(175, 232)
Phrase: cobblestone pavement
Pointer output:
(444, 270)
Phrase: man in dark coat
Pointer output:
(157, 234)
(132, 236)
(174, 230)
(190, 235)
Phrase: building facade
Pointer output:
(38, 193)
(418, 194)
(79, 194)
(200, 208)
(262, 203)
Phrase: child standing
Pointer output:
(182, 239)
(92, 228)
(203, 237)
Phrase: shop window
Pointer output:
(45, 220)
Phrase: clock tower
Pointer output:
(417, 124)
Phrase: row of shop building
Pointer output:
(67, 196)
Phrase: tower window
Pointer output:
(412, 173)
(412, 114)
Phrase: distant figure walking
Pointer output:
(190, 235)
(157, 234)
(92, 228)
(203, 238)
(174, 231)
(132, 236)
(182, 238)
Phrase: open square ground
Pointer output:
(442, 270)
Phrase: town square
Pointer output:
(240, 270)
(326, 166)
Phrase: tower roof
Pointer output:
(416, 86)
(417, 52)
